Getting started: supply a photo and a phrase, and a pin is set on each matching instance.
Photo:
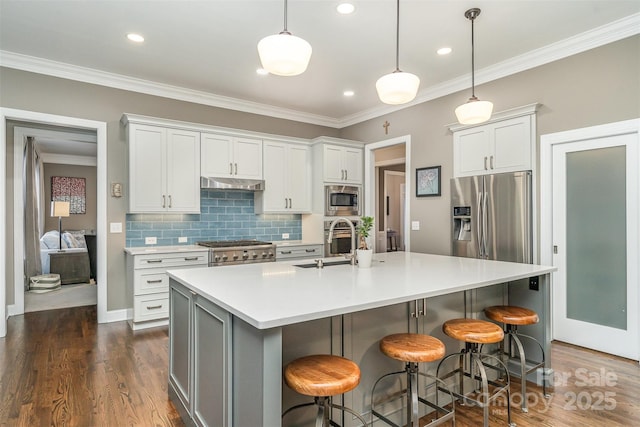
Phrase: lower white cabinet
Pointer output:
(293, 252)
(148, 283)
(200, 346)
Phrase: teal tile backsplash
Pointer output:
(224, 215)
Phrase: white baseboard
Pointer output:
(114, 316)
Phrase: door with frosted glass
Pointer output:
(595, 238)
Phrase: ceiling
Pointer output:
(205, 51)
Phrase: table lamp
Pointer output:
(60, 209)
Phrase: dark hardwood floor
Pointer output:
(59, 368)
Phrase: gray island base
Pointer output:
(232, 329)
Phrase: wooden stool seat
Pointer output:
(511, 315)
(412, 347)
(473, 331)
(322, 375)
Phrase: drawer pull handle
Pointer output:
(193, 258)
(285, 252)
(154, 261)
(310, 250)
(154, 281)
(154, 307)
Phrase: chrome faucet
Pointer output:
(352, 254)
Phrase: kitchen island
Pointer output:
(227, 324)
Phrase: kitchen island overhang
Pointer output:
(250, 305)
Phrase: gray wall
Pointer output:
(592, 88)
(35, 92)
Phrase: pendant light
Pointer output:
(473, 111)
(284, 54)
(397, 87)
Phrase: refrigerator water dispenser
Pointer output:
(462, 223)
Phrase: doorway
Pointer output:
(8, 118)
(391, 155)
(594, 201)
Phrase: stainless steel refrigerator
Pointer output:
(492, 217)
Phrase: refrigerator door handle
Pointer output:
(479, 226)
(485, 225)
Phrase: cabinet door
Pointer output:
(147, 170)
(333, 167)
(180, 361)
(471, 152)
(352, 161)
(274, 197)
(299, 178)
(212, 364)
(511, 145)
(183, 171)
(247, 158)
(216, 155)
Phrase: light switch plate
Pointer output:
(285, 236)
(115, 227)
(182, 239)
(415, 225)
(150, 240)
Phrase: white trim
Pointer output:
(370, 179)
(67, 159)
(547, 142)
(3, 225)
(101, 133)
(391, 162)
(608, 33)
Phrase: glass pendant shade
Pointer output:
(284, 54)
(474, 111)
(398, 87)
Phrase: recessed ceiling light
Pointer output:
(262, 71)
(345, 8)
(348, 93)
(135, 37)
(444, 51)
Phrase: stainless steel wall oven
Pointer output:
(341, 241)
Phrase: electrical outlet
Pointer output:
(150, 240)
(182, 239)
(533, 284)
(285, 236)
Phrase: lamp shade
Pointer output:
(60, 209)
(284, 54)
(397, 87)
(474, 111)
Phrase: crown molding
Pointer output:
(608, 33)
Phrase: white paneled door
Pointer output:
(595, 225)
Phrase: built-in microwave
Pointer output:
(341, 200)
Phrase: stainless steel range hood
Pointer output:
(232, 183)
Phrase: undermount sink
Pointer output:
(324, 264)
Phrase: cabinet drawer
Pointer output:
(150, 282)
(170, 260)
(151, 307)
(298, 252)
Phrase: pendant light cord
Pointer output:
(285, 17)
(473, 79)
(398, 35)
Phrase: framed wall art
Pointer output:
(428, 181)
(72, 190)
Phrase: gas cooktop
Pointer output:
(232, 243)
(228, 252)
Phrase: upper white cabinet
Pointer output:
(342, 164)
(499, 146)
(231, 157)
(164, 173)
(287, 176)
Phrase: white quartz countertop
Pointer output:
(143, 250)
(268, 295)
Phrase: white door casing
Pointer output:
(554, 148)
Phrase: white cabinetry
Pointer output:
(342, 164)
(164, 173)
(287, 176)
(231, 157)
(148, 283)
(503, 145)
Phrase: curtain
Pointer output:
(33, 194)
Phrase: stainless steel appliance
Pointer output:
(341, 238)
(492, 217)
(341, 200)
(230, 252)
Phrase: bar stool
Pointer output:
(511, 317)
(413, 349)
(322, 376)
(474, 332)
